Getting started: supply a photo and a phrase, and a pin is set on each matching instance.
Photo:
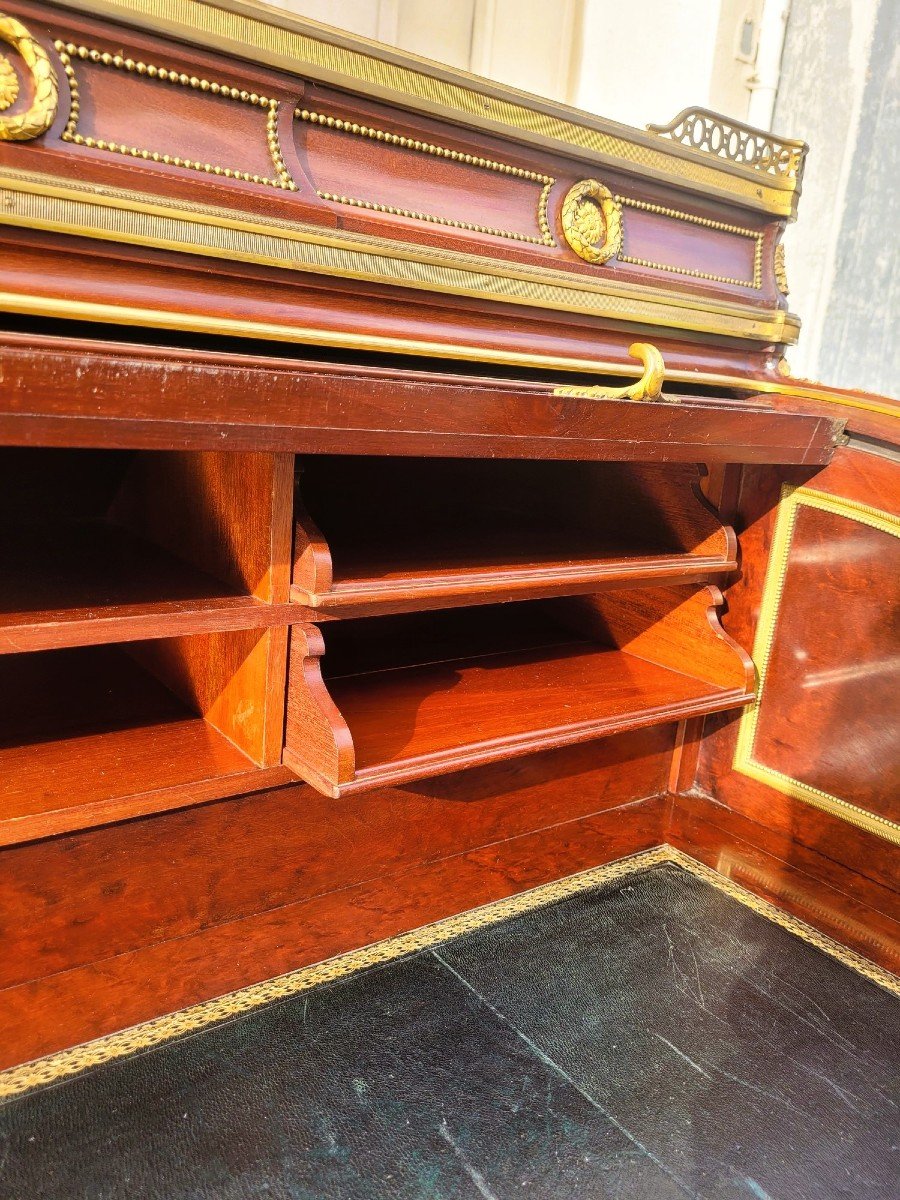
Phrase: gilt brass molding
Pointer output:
(285, 42)
(69, 52)
(354, 129)
(792, 500)
(648, 387)
(66, 206)
(592, 221)
(726, 138)
(38, 117)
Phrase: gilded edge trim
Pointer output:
(66, 206)
(792, 500)
(354, 129)
(676, 214)
(280, 40)
(27, 304)
(69, 51)
(66, 1063)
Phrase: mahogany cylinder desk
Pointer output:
(406, 502)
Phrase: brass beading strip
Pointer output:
(69, 50)
(355, 129)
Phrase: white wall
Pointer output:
(643, 61)
(638, 62)
(526, 43)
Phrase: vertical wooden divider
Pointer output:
(230, 514)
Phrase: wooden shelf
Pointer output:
(379, 536)
(89, 737)
(469, 711)
(85, 583)
(392, 704)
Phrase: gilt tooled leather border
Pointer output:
(65, 1064)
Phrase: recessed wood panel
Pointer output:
(414, 182)
(135, 112)
(839, 604)
(830, 712)
(681, 246)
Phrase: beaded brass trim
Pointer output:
(286, 42)
(88, 210)
(67, 1063)
(38, 117)
(707, 223)
(69, 50)
(792, 499)
(395, 139)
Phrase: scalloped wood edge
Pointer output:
(715, 553)
(688, 637)
(314, 721)
(676, 628)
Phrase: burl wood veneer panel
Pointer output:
(830, 716)
(821, 764)
(838, 901)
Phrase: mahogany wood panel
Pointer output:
(400, 177)
(413, 533)
(129, 109)
(89, 738)
(836, 652)
(158, 398)
(228, 514)
(234, 680)
(86, 1002)
(72, 900)
(864, 616)
(239, 529)
(840, 902)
